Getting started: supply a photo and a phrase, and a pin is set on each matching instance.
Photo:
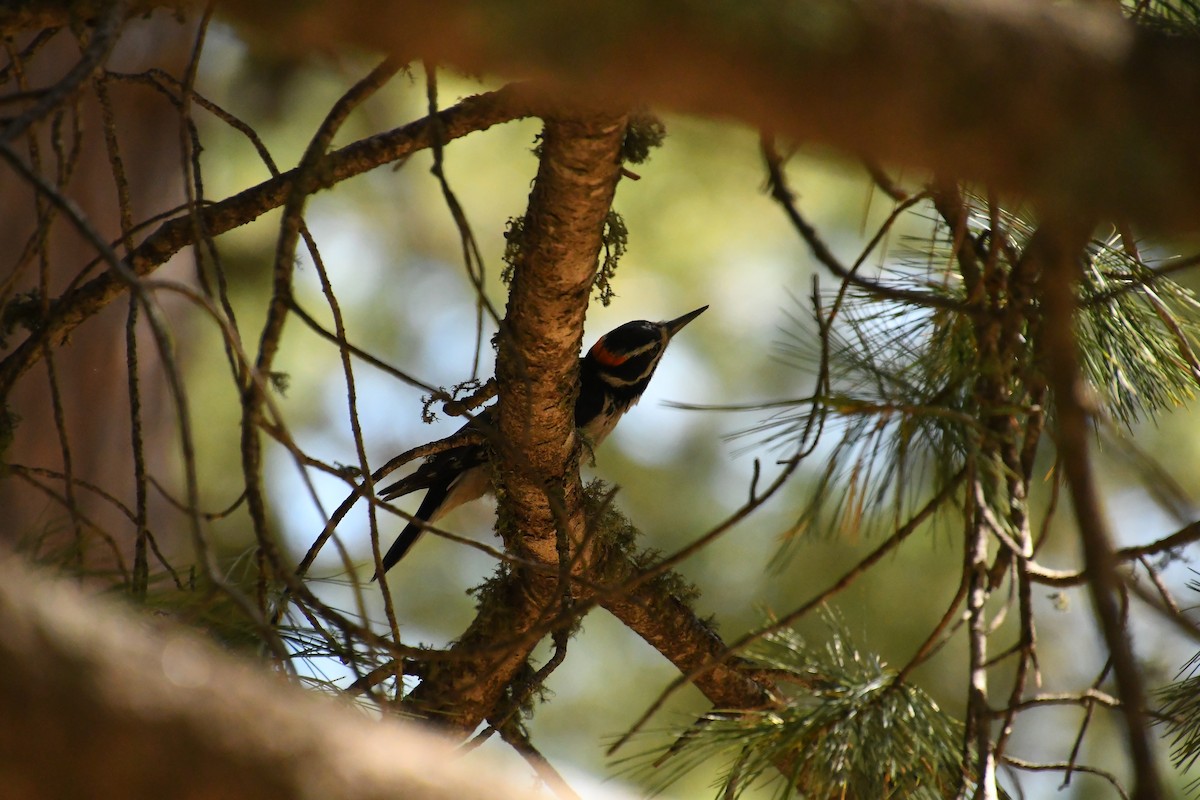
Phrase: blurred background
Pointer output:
(702, 230)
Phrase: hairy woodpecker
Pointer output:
(612, 377)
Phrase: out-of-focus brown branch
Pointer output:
(132, 711)
(1070, 104)
(1067, 104)
(1059, 248)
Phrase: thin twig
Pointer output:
(103, 35)
(1055, 766)
(549, 775)
(78, 304)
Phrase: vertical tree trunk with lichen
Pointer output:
(537, 464)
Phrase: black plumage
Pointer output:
(612, 377)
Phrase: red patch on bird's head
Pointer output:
(605, 356)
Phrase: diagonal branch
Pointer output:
(672, 628)
(78, 305)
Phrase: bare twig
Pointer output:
(519, 741)
(103, 36)
(77, 305)
(1066, 766)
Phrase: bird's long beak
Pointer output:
(674, 326)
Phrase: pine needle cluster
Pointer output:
(896, 408)
(850, 728)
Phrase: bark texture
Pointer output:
(536, 369)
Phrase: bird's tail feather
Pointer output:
(421, 479)
(408, 537)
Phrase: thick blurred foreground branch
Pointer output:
(97, 703)
(1069, 104)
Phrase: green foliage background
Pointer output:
(701, 230)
